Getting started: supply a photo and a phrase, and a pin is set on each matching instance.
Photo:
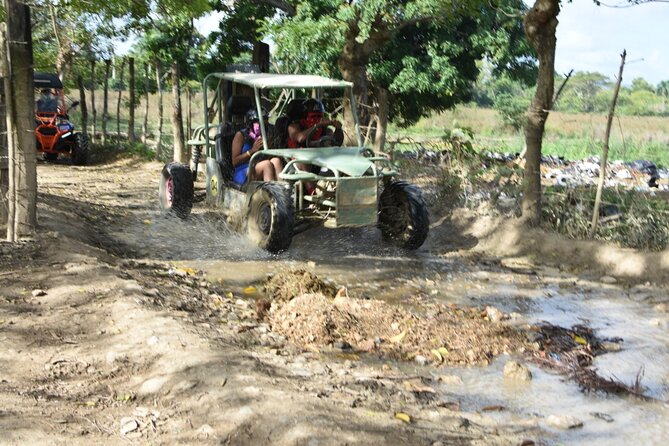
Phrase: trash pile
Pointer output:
(641, 175)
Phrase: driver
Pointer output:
(312, 122)
(47, 102)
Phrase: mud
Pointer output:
(154, 330)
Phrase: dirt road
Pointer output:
(112, 335)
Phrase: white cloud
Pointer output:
(591, 38)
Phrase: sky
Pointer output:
(591, 38)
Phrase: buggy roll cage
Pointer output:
(261, 81)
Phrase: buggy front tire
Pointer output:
(80, 149)
(403, 216)
(270, 217)
(176, 190)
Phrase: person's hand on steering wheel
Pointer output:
(327, 140)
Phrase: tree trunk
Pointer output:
(540, 25)
(189, 116)
(105, 102)
(160, 110)
(4, 153)
(66, 53)
(82, 104)
(18, 54)
(605, 148)
(353, 66)
(382, 120)
(180, 150)
(93, 110)
(131, 110)
(118, 107)
(145, 124)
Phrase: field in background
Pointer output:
(574, 136)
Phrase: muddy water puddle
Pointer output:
(530, 297)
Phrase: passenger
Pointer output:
(247, 142)
(47, 102)
(312, 121)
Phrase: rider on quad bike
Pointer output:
(54, 132)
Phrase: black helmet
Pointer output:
(252, 115)
(313, 106)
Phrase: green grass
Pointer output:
(573, 136)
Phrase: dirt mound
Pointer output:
(445, 334)
(287, 285)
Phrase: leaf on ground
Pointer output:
(147, 222)
(403, 416)
(398, 338)
(580, 340)
(439, 353)
(250, 290)
(229, 294)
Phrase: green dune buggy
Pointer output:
(329, 184)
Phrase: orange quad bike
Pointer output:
(54, 132)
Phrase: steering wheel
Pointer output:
(321, 142)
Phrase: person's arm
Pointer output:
(238, 144)
(296, 133)
(237, 156)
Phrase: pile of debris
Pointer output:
(438, 333)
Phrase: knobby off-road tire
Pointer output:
(403, 217)
(176, 190)
(80, 150)
(270, 217)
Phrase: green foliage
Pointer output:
(235, 36)
(640, 221)
(424, 52)
(639, 102)
(510, 100)
(581, 92)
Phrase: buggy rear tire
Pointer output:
(271, 217)
(403, 216)
(80, 149)
(176, 190)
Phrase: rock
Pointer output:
(662, 308)
(494, 315)
(517, 371)
(563, 422)
(153, 292)
(132, 287)
(611, 346)
(128, 425)
(657, 322)
(205, 431)
(450, 379)
(152, 385)
(602, 416)
(38, 292)
(608, 279)
(420, 360)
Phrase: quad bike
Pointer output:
(54, 132)
(323, 182)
